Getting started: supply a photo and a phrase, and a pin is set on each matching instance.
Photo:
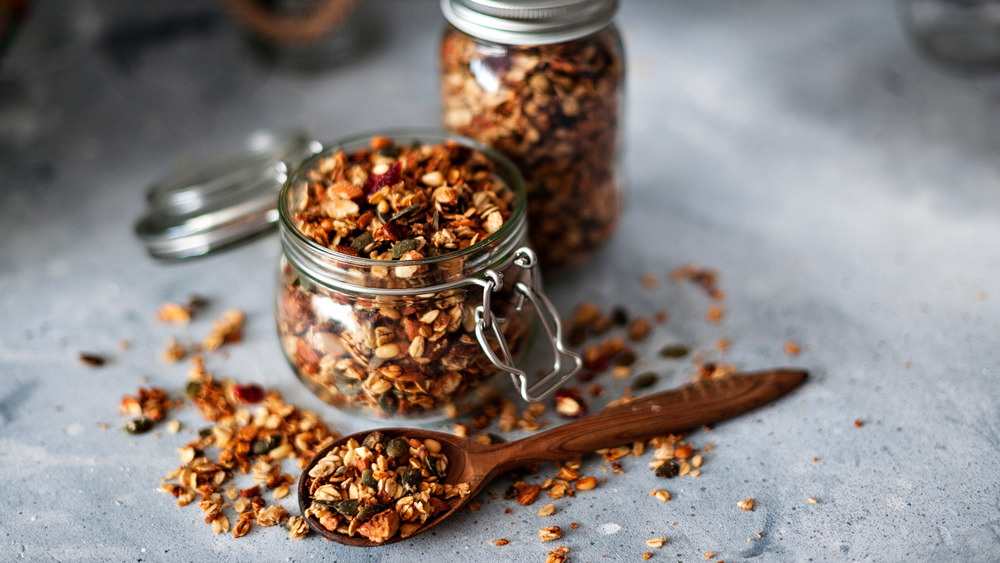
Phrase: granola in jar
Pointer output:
(545, 90)
(387, 244)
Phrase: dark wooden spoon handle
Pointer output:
(658, 414)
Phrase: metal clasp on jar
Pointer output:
(487, 325)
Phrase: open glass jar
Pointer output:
(413, 321)
(542, 82)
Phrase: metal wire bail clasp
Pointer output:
(566, 363)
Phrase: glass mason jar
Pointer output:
(411, 338)
(542, 82)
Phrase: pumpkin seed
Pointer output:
(410, 478)
(674, 351)
(192, 389)
(404, 246)
(366, 513)
(668, 470)
(645, 380)
(368, 479)
(363, 240)
(263, 445)
(349, 507)
(397, 447)
(139, 425)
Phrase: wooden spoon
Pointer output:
(654, 415)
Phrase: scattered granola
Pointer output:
(227, 329)
(554, 110)
(550, 533)
(586, 483)
(380, 487)
(656, 542)
(173, 352)
(558, 555)
(149, 406)
(746, 504)
(248, 442)
(859, 423)
(502, 541)
(660, 494)
(791, 348)
(547, 510)
(812, 501)
(647, 555)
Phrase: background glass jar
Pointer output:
(542, 82)
(416, 338)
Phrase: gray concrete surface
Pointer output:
(846, 190)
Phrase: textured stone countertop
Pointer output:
(846, 191)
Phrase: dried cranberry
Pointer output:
(249, 393)
(375, 182)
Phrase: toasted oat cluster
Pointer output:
(398, 202)
(554, 110)
(380, 487)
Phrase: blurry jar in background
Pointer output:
(960, 33)
(303, 34)
(541, 81)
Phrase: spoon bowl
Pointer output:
(658, 414)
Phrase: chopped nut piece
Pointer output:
(558, 555)
(171, 312)
(226, 329)
(174, 426)
(791, 348)
(502, 541)
(527, 494)
(813, 501)
(297, 528)
(550, 533)
(746, 504)
(709, 555)
(656, 542)
(859, 423)
(660, 494)
(547, 510)
(647, 555)
(586, 483)
(173, 352)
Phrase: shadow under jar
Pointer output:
(542, 82)
(405, 284)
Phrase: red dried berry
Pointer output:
(375, 182)
(249, 393)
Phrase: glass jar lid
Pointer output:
(529, 22)
(210, 204)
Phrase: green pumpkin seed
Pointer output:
(349, 507)
(363, 240)
(366, 513)
(674, 351)
(138, 426)
(645, 380)
(192, 389)
(368, 479)
(263, 445)
(668, 470)
(404, 246)
(397, 447)
(410, 478)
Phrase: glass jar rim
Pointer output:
(505, 169)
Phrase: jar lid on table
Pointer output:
(529, 22)
(202, 206)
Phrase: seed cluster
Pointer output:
(554, 110)
(380, 487)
